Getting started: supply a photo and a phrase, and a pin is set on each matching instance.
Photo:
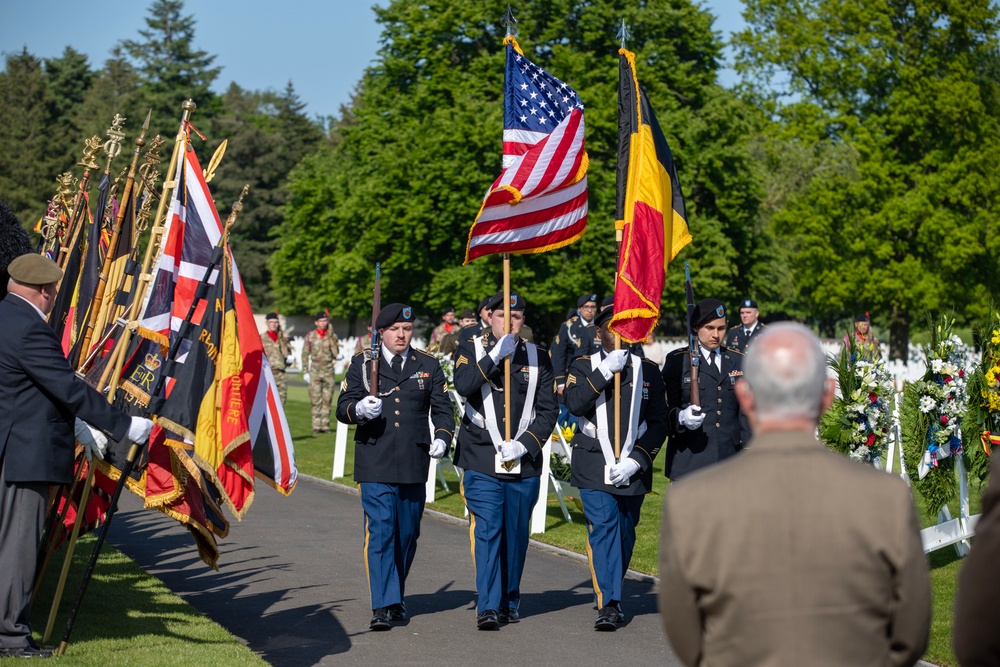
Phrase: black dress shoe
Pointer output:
(380, 619)
(397, 612)
(488, 620)
(606, 619)
(32, 650)
(620, 615)
(509, 615)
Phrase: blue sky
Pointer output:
(322, 46)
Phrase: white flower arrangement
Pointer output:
(858, 422)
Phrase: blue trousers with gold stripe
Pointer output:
(392, 526)
(499, 514)
(611, 522)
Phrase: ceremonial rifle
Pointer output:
(692, 339)
(373, 354)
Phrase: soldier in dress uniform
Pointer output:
(319, 351)
(393, 446)
(702, 435)
(590, 342)
(739, 337)
(612, 501)
(278, 352)
(566, 345)
(440, 331)
(501, 480)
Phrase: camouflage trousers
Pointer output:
(321, 389)
(281, 381)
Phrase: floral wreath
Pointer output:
(857, 423)
(982, 432)
(931, 418)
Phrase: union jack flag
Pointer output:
(193, 230)
(539, 201)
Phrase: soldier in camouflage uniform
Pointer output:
(278, 352)
(319, 352)
(440, 331)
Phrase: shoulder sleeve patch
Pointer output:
(462, 359)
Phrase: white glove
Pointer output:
(510, 451)
(290, 360)
(94, 442)
(138, 432)
(438, 448)
(622, 472)
(340, 357)
(369, 408)
(691, 417)
(613, 363)
(503, 349)
(305, 378)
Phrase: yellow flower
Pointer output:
(996, 336)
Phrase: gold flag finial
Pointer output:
(113, 146)
(91, 147)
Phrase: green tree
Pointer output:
(69, 78)
(29, 154)
(115, 90)
(407, 166)
(171, 68)
(268, 134)
(895, 104)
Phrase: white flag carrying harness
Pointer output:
(489, 421)
(601, 432)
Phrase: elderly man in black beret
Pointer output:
(613, 482)
(393, 446)
(44, 410)
(701, 435)
(502, 477)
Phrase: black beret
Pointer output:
(447, 310)
(467, 314)
(273, 316)
(608, 300)
(604, 316)
(707, 310)
(485, 303)
(394, 312)
(585, 298)
(496, 301)
(748, 303)
(862, 317)
(321, 315)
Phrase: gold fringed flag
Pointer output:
(649, 209)
(539, 201)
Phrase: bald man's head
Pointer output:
(785, 370)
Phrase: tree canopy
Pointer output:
(403, 178)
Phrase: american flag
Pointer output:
(193, 230)
(539, 201)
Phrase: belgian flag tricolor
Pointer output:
(649, 209)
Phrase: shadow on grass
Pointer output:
(296, 637)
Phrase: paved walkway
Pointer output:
(292, 585)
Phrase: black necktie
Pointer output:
(397, 365)
(711, 358)
(747, 332)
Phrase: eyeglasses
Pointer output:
(588, 307)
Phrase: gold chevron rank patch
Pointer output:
(461, 360)
(570, 380)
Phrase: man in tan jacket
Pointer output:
(791, 555)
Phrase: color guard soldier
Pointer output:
(393, 446)
(739, 337)
(612, 489)
(702, 435)
(590, 342)
(278, 352)
(319, 352)
(501, 480)
(566, 345)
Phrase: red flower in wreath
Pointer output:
(948, 378)
(871, 439)
(944, 419)
(961, 372)
(872, 397)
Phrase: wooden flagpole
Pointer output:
(506, 330)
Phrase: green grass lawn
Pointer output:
(131, 618)
(314, 456)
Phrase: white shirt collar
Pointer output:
(389, 356)
(37, 309)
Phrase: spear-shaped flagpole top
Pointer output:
(623, 33)
(509, 21)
